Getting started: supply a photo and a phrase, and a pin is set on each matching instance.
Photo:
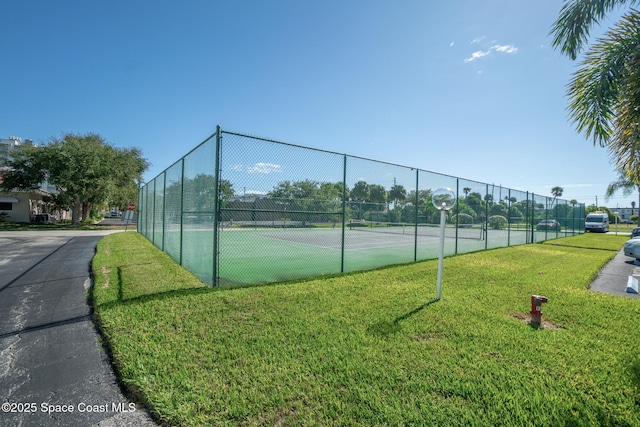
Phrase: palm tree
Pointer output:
(626, 185)
(556, 192)
(604, 93)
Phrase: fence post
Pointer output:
(164, 210)
(415, 217)
(216, 207)
(153, 214)
(509, 219)
(486, 217)
(457, 212)
(533, 214)
(181, 205)
(344, 208)
(141, 208)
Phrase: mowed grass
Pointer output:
(374, 348)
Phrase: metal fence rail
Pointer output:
(239, 209)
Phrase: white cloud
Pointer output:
(477, 54)
(265, 168)
(478, 39)
(507, 48)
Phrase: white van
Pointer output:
(597, 221)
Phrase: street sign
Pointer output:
(131, 206)
(128, 218)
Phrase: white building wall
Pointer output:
(7, 145)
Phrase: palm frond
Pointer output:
(622, 183)
(572, 28)
(607, 81)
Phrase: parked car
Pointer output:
(597, 221)
(548, 224)
(44, 219)
(632, 247)
(635, 232)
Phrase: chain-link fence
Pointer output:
(239, 209)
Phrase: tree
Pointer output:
(424, 197)
(308, 190)
(226, 193)
(377, 194)
(556, 192)
(499, 209)
(474, 201)
(397, 194)
(25, 170)
(124, 188)
(377, 206)
(332, 191)
(284, 190)
(86, 170)
(360, 192)
(604, 93)
(199, 192)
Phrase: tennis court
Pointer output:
(264, 255)
(242, 210)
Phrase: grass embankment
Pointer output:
(373, 348)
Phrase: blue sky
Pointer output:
(465, 88)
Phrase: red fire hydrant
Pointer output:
(536, 309)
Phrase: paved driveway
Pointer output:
(613, 278)
(53, 369)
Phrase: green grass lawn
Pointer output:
(374, 348)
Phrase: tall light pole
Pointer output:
(443, 199)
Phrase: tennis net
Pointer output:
(411, 229)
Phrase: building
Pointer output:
(8, 145)
(20, 205)
(625, 213)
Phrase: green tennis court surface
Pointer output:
(263, 255)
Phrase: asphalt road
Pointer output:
(53, 369)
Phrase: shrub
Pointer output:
(464, 220)
(497, 222)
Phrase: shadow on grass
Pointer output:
(158, 296)
(383, 329)
(142, 298)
